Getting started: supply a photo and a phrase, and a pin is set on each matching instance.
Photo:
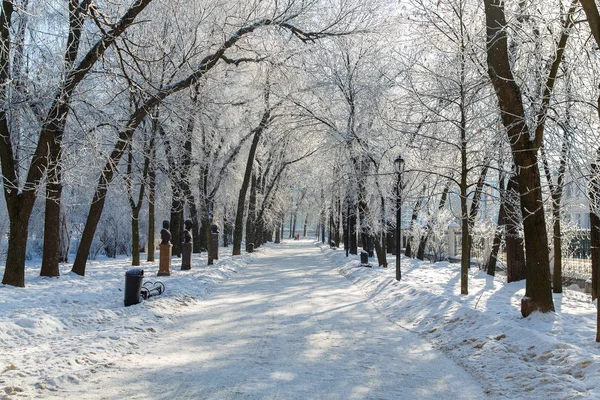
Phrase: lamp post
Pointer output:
(399, 165)
(347, 230)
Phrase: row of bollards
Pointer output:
(135, 291)
(166, 248)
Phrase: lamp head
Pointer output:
(399, 164)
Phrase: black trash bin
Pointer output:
(250, 248)
(364, 257)
(133, 286)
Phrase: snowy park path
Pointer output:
(286, 327)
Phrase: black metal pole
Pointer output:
(398, 225)
(347, 231)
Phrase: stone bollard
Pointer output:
(164, 266)
(186, 256)
(186, 246)
(213, 246)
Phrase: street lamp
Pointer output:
(399, 165)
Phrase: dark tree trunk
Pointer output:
(338, 221)
(557, 243)
(295, 220)
(277, 235)
(595, 254)
(556, 191)
(176, 221)
(226, 229)
(380, 251)
(305, 225)
(136, 207)
(151, 210)
(594, 195)
(57, 125)
(515, 255)
(239, 216)
(50, 258)
(91, 224)
(135, 238)
(65, 238)
(204, 233)
(14, 272)
(465, 257)
(491, 264)
(538, 290)
(352, 233)
(251, 226)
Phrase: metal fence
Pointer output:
(576, 261)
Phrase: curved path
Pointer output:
(287, 327)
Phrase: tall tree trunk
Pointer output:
(305, 225)
(135, 238)
(226, 226)
(465, 257)
(151, 210)
(239, 216)
(294, 219)
(52, 216)
(54, 170)
(352, 233)
(491, 264)
(252, 230)
(538, 290)
(65, 237)
(515, 256)
(176, 222)
(556, 192)
(381, 257)
(14, 275)
(557, 243)
(277, 235)
(338, 221)
(594, 195)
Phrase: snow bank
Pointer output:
(59, 330)
(545, 356)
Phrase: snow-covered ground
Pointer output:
(67, 336)
(544, 356)
(59, 331)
